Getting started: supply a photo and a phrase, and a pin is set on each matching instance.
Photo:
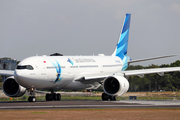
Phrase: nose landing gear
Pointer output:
(32, 97)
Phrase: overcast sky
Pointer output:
(87, 27)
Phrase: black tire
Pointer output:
(58, 97)
(105, 97)
(32, 99)
(113, 98)
(51, 97)
(55, 97)
(29, 99)
(48, 97)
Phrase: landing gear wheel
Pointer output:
(105, 97)
(29, 99)
(58, 97)
(112, 98)
(32, 99)
(54, 96)
(49, 97)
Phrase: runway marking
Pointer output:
(75, 106)
(151, 102)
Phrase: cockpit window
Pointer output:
(28, 67)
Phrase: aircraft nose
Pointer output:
(22, 72)
(19, 76)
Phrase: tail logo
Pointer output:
(122, 45)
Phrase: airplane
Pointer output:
(58, 72)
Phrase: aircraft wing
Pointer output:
(87, 79)
(160, 71)
(7, 72)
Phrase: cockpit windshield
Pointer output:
(28, 67)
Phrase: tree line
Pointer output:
(154, 82)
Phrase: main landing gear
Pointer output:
(106, 97)
(53, 96)
(32, 97)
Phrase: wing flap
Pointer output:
(91, 79)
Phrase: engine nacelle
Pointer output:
(12, 89)
(115, 85)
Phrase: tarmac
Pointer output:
(15, 105)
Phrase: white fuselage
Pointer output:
(62, 72)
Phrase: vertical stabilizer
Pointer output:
(122, 45)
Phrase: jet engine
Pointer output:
(115, 85)
(12, 89)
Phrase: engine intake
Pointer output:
(115, 85)
(12, 89)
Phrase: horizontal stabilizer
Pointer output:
(145, 59)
